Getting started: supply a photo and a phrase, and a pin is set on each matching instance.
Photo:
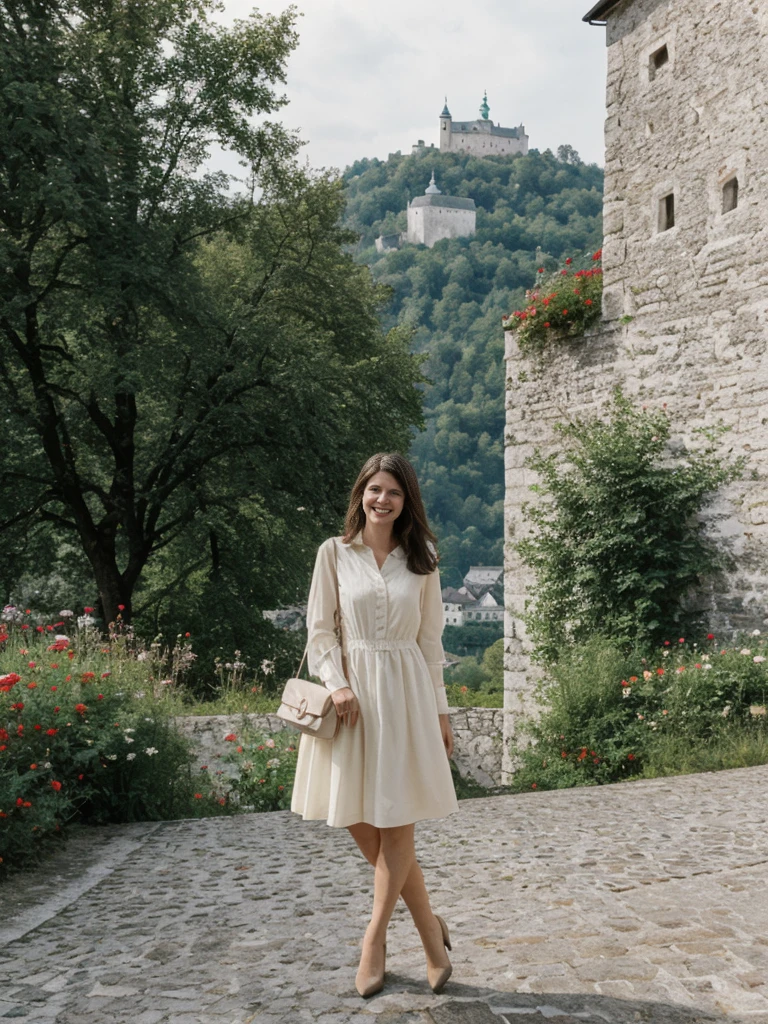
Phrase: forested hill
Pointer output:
(531, 211)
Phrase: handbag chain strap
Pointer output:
(337, 616)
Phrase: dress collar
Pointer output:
(358, 540)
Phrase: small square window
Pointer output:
(730, 195)
(667, 212)
(657, 61)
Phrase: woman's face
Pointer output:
(383, 498)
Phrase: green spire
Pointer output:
(484, 108)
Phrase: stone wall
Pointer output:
(477, 739)
(696, 292)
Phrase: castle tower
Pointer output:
(685, 305)
(445, 128)
(434, 216)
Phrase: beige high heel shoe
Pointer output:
(437, 976)
(369, 985)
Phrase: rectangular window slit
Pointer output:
(667, 212)
(730, 195)
(657, 61)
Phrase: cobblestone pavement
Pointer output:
(644, 901)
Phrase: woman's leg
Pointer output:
(413, 891)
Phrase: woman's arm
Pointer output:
(430, 635)
(323, 652)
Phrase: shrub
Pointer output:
(266, 768)
(562, 305)
(619, 547)
(608, 715)
(85, 735)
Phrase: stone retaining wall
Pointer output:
(477, 736)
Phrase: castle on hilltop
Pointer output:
(431, 217)
(481, 137)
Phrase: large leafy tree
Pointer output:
(190, 377)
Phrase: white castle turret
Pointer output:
(481, 137)
(434, 216)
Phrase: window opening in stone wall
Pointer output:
(667, 212)
(730, 195)
(657, 61)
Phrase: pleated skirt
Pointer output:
(391, 767)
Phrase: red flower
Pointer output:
(18, 706)
(565, 312)
(587, 302)
(187, 635)
(666, 643)
(38, 728)
(70, 655)
(80, 778)
(198, 796)
(86, 676)
(222, 801)
(100, 697)
(547, 324)
(230, 738)
(31, 686)
(32, 767)
(54, 689)
(27, 803)
(541, 270)
(19, 801)
(67, 679)
(710, 636)
(630, 757)
(55, 785)
(51, 732)
(80, 709)
(659, 671)
(39, 629)
(568, 262)
(57, 709)
(31, 664)
(239, 750)
(624, 682)
(597, 255)
(87, 610)
(681, 640)
(564, 272)
(534, 786)
(121, 607)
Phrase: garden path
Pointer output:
(642, 901)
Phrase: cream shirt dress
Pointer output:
(391, 767)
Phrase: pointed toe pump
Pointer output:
(437, 976)
(369, 984)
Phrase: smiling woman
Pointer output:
(388, 766)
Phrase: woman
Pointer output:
(388, 766)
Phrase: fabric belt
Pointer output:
(381, 645)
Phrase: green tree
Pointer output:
(619, 544)
(190, 377)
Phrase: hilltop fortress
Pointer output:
(685, 305)
(481, 137)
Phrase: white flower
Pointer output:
(665, 654)
(151, 751)
(641, 717)
(61, 636)
(128, 731)
(758, 659)
(111, 757)
(745, 650)
(707, 666)
(139, 694)
(142, 656)
(267, 666)
(129, 757)
(129, 739)
(269, 743)
(726, 711)
(47, 764)
(755, 632)
(166, 682)
(626, 691)
(66, 614)
(274, 762)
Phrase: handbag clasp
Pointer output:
(302, 708)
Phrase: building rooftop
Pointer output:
(454, 202)
(599, 11)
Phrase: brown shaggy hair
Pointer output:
(410, 527)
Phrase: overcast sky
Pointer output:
(369, 76)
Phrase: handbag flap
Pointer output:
(301, 694)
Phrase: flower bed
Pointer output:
(562, 305)
(85, 734)
(608, 716)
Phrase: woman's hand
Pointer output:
(346, 704)
(445, 729)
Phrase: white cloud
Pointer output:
(369, 77)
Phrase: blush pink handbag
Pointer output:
(308, 706)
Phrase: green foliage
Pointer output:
(87, 738)
(181, 368)
(608, 715)
(266, 768)
(619, 546)
(472, 638)
(532, 211)
(561, 306)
